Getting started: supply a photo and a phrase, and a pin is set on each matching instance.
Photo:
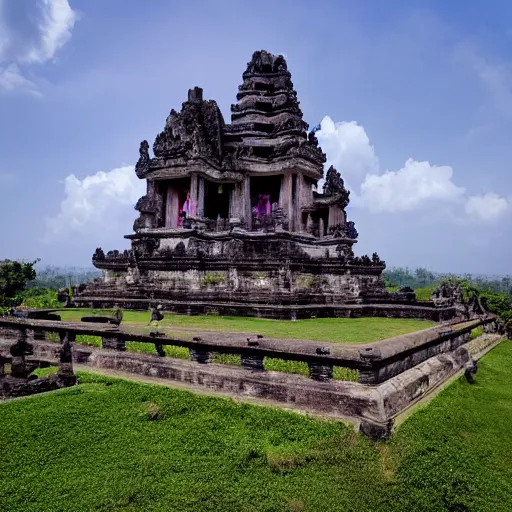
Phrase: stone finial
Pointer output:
(142, 164)
(264, 62)
(195, 94)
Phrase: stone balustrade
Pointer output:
(392, 373)
(374, 362)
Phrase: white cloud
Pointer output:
(413, 186)
(36, 38)
(417, 185)
(487, 207)
(57, 22)
(99, 204)
(348, 148)
(11, 79)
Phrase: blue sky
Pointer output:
(415, 100)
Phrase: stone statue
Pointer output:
(117, 314)
(19, 351)
(66, 374)
(143, 163)
(351, 230)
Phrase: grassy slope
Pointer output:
(93, 448)
(343, 330)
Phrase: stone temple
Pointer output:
(232, 221)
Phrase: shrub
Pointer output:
(14, 276)
(497, 303)
(476, 332)
(283, 461)
(213, 278)
(152, 412)
(40, 298)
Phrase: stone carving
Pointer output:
(22, 382)
(98, 255)
(468, 303)
(22, 348)
(143, 163)
(333, 182)
(194, 132)
(351, 230)
(312, 138)
(335, 186)
(264, 62)
(180, 249)
(234, 249)
(337, 231)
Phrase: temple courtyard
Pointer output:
(111, 444)
(338, 330)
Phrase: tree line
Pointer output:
(22, 284)
(400, 277)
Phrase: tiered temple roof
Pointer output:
(266, 131)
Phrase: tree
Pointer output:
(14, 276)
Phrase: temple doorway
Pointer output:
(178, 204)
(265, 191)
(217, 200)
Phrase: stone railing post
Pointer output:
(19, 351)
(250, 359)
(199, 355)
(66, 374)
(2, 366)
(320, 371)
(159, 347)
(369, 375)
(113, 343)
(39, 334)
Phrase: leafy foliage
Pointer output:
(498, 303)
(398, 277)
(496, 294)
(14, 276)
(39, 298)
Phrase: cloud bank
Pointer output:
(38, 34)
(99, 207)
(416, 186)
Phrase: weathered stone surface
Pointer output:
(252, 361)
(113, 343)
(21, 381)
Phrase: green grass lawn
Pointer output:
(342, 330)
(111, 445)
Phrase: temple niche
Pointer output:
(232, 216)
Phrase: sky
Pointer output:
(414, 101)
